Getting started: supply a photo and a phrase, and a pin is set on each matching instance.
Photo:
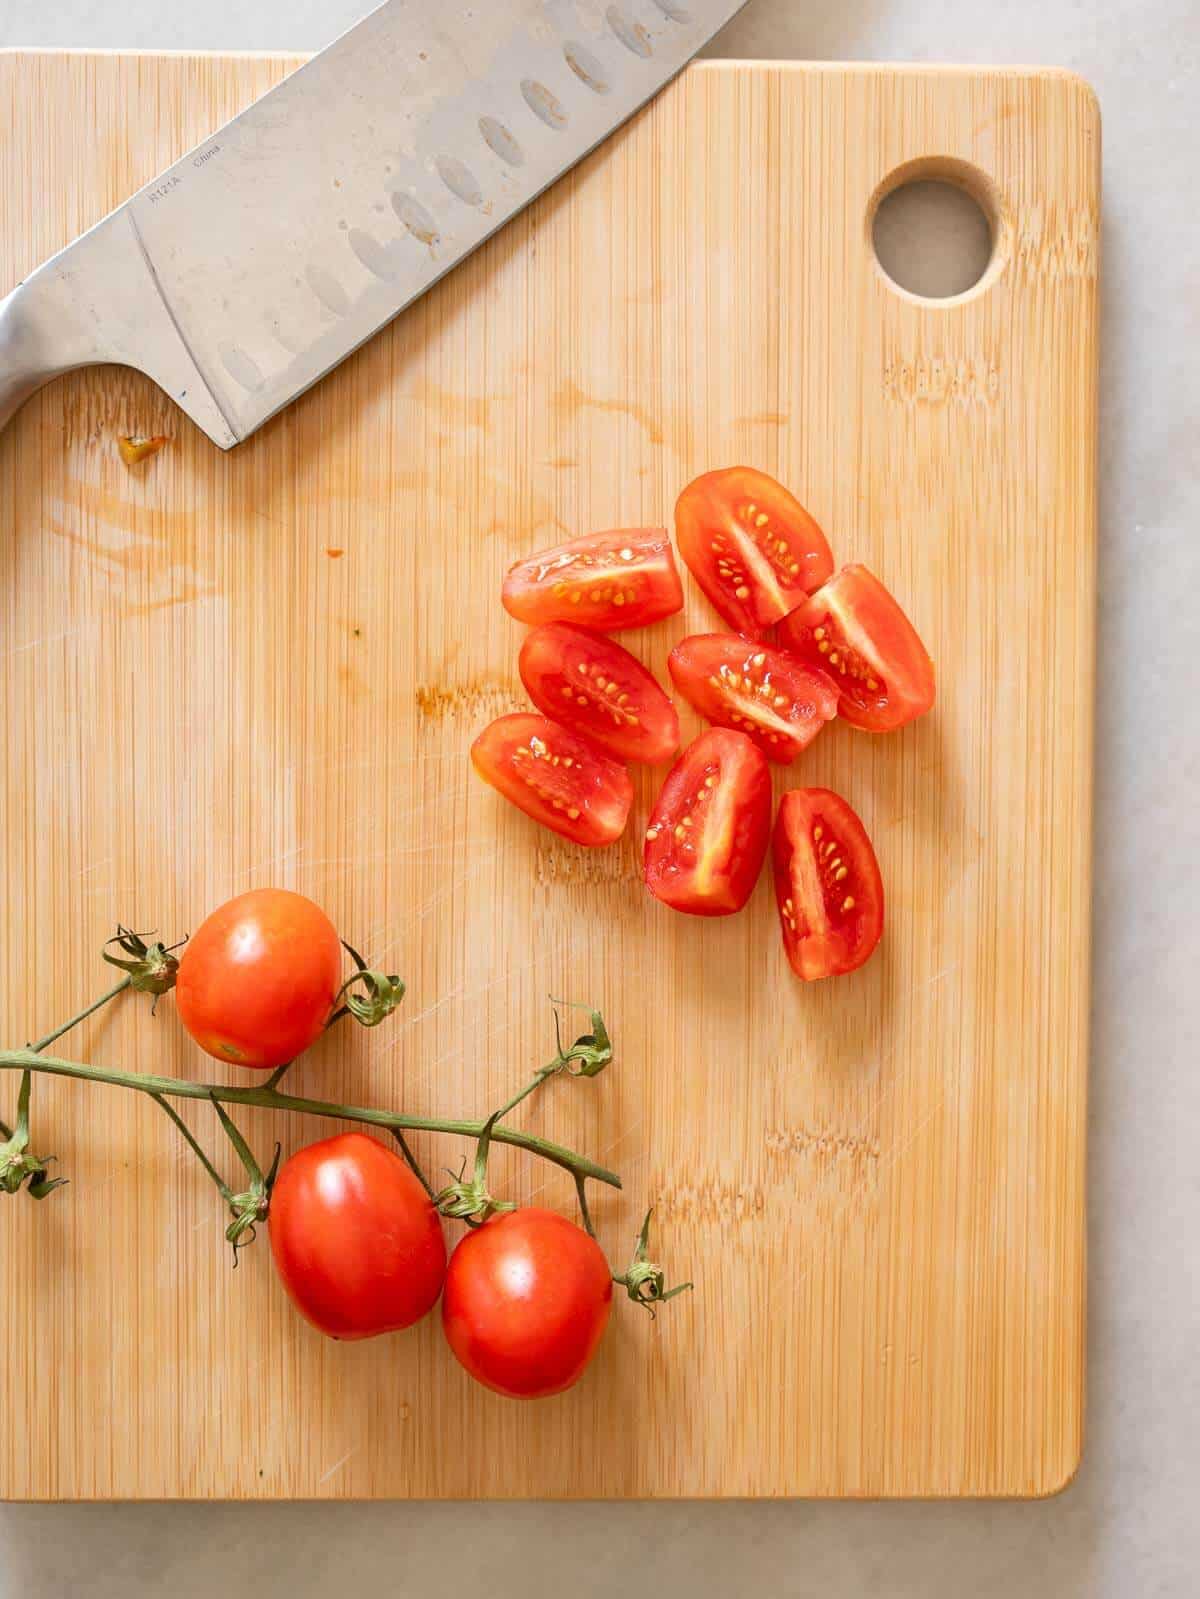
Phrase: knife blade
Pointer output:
(246, 271)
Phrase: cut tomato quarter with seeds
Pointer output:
(710, 827)
(827, 884)
(751, 546)
(597, 688)
(605, 581)
(776, 700)
(854, 630)
(556, 777)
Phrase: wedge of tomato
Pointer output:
(827, 884)
(710, 827)
(854, 630)
(594, 686)
(605, 581)
(772, 698)
(751, 546)
(556, 777)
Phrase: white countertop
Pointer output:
(1128, 1528)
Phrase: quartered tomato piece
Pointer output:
(827, 884)
(854, 630)
(606, 581)
(597, 688)
(556, 777)
(751, 546)
(709, 830)
(778, 702)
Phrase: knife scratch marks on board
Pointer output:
(337, 1466)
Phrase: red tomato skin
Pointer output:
(821, 939)
(257, 979)
(752, 574)
(856, 609)
(607, 582)
(527, 1300)
(712, 870)
(734, 682)
(357, 1244)
(507, 755)
(580, 679)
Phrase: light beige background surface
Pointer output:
(1127, 1526)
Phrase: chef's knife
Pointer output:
(247, 270)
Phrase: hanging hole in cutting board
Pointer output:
(936, 230)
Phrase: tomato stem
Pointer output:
(44, 1043)
(223, 1187)
(268, 1098)
(414, 1164)
(580, 1189)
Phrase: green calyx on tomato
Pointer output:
(372, 1002)
(644, 1280)
(151, 968)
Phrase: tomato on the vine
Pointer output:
(827, 884)
(599, 689)
(526, 1303)
(357, 1242)
(710, 826)
(774, 699)
(258, 978)
(605, 581)
(854, 630)
(556, 777)
(751, 546)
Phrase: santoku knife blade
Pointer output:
(260, 260)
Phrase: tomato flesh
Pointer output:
(257, 978)
(827, 884)
(597, 688)
(356, 1242)
(710, 826)
(771, 697)
(556, 777)
(855, 631)
(751, 546)
(527, 1300)
(604, 581)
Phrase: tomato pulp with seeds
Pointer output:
(751, 546)
(710, 826)
(356, 1241)
(258, 977)
(827, 884)
(771, 697)
(605, 581)
(854, 630)
(527, 1300)
(598, 689)
(556, 777)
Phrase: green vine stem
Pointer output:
(267, 1098)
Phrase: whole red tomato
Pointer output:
(356, 1241)
(258, 978)
(526, 1302)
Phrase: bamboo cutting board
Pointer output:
(877, 1183)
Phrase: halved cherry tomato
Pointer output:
(827, 884)
(527, 1300)
(605, 581)
(854, 630)
(751, 546)
(556, 777)
(710, 827)
(356, 1241)
(597, 688)
(762, 692)
(258, 977)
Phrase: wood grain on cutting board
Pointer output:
(877, 1182)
